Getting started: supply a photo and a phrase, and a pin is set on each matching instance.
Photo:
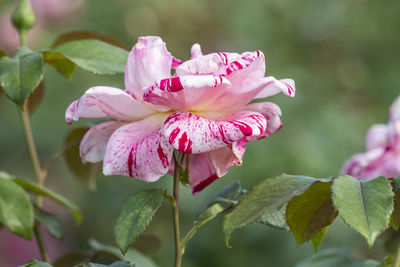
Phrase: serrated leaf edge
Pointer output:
(370, 244)
(151, 218)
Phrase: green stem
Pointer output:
(175, 209)
(40, 174)
(31, 146)
(40, 242)
(22, 37)
(397, 263)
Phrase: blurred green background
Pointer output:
(343, 55)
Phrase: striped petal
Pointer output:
(201, 172)
(94, 143)
(207, 64)
(139, 149)
(225, 158)
(205, 168)
(102, 101)
(273, 86)
(189, 133)
(246, 75)
(272, 114)
(148, 61)
(186, 92)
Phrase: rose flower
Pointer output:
(202, 110)
(383, 150)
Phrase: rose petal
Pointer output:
(361, 165)
(394, 111)
(195, 51)
(272, 114)
(201, 172)
(187, 92)
(377, 136)
(224, 158)
(139, 149)
(273, 86)
(190, 133)
(207, 64)
(94, 143)
(148, 61)
(204, 168)
(102, 101)
(176, 62)
(246, 75)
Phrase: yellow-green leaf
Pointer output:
(307, 214)
(263, 199)
(95, 56)
(365, 206)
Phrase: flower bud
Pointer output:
(23, 17)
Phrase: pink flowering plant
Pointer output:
(383, 150)
(202, 113)
(191, 120)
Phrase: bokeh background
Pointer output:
(344, 56)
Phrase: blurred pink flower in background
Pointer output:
(48, 13)
(58, 11)
(383, 150)
(16, 251)
(202, 110)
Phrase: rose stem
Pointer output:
(175, 209)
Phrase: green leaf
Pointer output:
(308, 213)
(86, 173)
(85, 35)
(275, 219)
(387, 261)
(35, 263)
(20, 75)
(44, 191)
(35, 98)
(264, 198)
(115, 264)
(395, 217)
(16, 211)
(95, 56)
(371, 263)
(230, 192)
(71, 259)
(50, 221)
(60, 62)
(364, 205)
(334, 257)
(227, 195)
(317, 239)
(2, 53)
(135, 215)
(396, 184)
(131, 255)
(204, 217)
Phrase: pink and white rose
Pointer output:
(383, 150)
(203, 109)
